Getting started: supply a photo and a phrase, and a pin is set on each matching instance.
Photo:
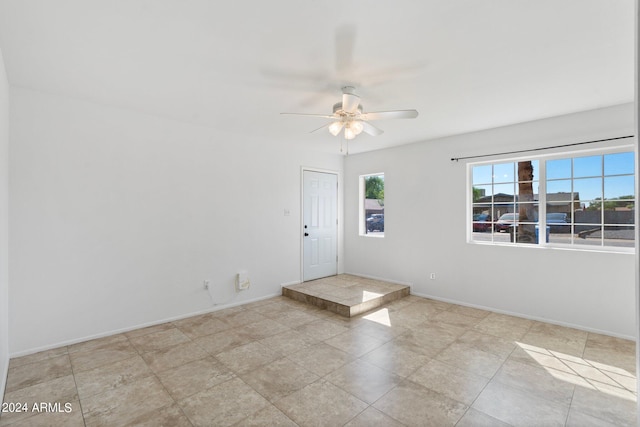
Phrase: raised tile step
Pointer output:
(345, 294)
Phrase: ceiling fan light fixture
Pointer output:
(349, 133)
(356, 127)
(336, 127)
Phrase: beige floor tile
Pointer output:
(149, 330)
(289, 342)
(223, 341)
(247, 357)
(365, 381)
(65, 415)
(372, 417)
(273, 310)
(469, 311)
(355, 343)
(471, 359)
(570, 345)
(544, 383)
(95, 354)
(170, 357)
(429, 341)
(414, 314)
(414, 405)
(122, 405)
(489, 343)
(396, 358)
(321, 359)
(59, 390)
(278, 379)
(168, 416)
(223, 405)
(37, 372)
(450, 381)
(269, 416)
(595, 375)
(376, 326)
(474, 418)
(98, 343)
(538, 356)
(456, 319)
(264, 328)
(558, 331)
(321, 404)
(503, 326)
(239, 317)
(202, 325)
(608, 404)
(617, 353)
(37, 357)
(452, 329)
(111, 376)
(321, 329)
(294, 318)
(578, 419)
(194, 377)
(518, 408)
(159, 340)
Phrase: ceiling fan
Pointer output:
(349, 115)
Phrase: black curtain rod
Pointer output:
(539, 149)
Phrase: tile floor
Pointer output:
(279, 362)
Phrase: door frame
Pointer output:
(339, 226)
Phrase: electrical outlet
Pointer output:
(205, 285)
(432, 276)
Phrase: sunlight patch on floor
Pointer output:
(379, 316)
(598, 376)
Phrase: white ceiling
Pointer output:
(465, 65)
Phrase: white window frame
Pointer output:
(362, 223)
(542, 203)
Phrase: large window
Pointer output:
(586, 200)
(372, 205)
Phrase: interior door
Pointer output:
(320, 225)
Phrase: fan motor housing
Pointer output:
(337, 109)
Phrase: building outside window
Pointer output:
(579, 201)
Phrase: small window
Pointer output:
(372, 205)
(587, 201)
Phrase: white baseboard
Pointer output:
(525, 316)
(140, 326)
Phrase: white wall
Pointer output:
(117, 218)
(425, 231)
(4, 226)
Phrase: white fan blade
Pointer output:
(325, 116)
(321, 127)
(350, 102)
(397, 114)
(371, 129)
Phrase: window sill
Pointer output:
(551, 246)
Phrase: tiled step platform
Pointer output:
(346, 294)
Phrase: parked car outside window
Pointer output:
(481, 222)
(555, 220)
(375, 222)
(506, 221)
